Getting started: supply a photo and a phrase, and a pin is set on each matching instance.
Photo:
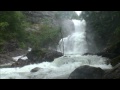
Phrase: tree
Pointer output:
(12, 26)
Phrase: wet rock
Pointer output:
(35, 69)
(87, 72)
(38, 56)
(113, 73)
(6, 58)
(20, 63)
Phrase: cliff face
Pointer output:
(50, 22)
(103, 27)
(40, 17)
(53, 17)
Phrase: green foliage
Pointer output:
(44, 37)
(2, 42)
(3, 24)
(22, 45)
(12, 26)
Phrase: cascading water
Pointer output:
(74, 46)
(76, 42)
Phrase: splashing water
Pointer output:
(76, 42)
(60, 68)
(74, 46)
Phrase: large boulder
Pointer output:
(113, 73)
(7, 59)
(38, 56)
(20, 63)
(87, 72)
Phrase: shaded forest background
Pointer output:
(103, 28)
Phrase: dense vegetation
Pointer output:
(34, 29)
(12, 27)
(105, 25)
(45, 28)
(45, 37)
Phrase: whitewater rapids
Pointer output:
(60, 68)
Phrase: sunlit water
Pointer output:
(74, 46)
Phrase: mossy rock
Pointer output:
(39, 52)
(115, 61)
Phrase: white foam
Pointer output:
(22, 56)
(78, 12)
(17, 57)
(76, 42)
(60, 68)
(29, 49)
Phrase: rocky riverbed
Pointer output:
(6, 59)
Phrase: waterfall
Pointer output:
(74, 46)
(76, 42)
